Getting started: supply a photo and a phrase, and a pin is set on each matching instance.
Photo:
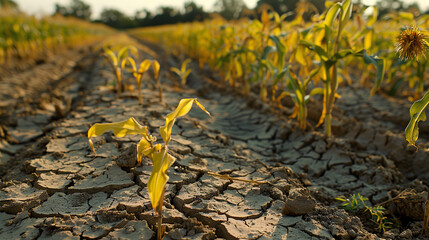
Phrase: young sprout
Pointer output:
(183, 72)
(156, 67)
(158, 153)
(138, 73)
(115, 61)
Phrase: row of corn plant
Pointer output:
(295, 59)
(26, 37)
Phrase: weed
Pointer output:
(357, 203)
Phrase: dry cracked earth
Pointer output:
(54, 187)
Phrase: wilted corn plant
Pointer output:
(158, 153)
(183, 73)
(412, 45)
(138, 73)
(330, 54)
(115, 62)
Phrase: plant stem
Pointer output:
(328, 107)
(158, 83)
(118, 80)
(159, 211)
(139, 92)
(302, 116)
(159, 233)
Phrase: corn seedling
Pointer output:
(156, 67)
(158, 153)
(138, 73)
(183, 73)
(115, 62)
(299, 95)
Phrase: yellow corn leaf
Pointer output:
(156, 67)
(368, 40)
(120, 129)
(158, 179)
(265, 19)
(176, 70)
(280, 97)
(332, 14)
(300, 56)
(142, 146)
(124, 52)
(322, 116)
(111, 55)
(133, 65)
(238, 68)
(186, 74)
(182, 109)
(144, 66)
(183, 68)
(295, 112)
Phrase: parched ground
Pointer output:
(54, 187)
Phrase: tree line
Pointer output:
(228, 9)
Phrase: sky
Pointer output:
(129, 7)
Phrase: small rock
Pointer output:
(133, 230)
(391, 234)
(299, 206)
(407, 234)
(339, 232)
(177, 233)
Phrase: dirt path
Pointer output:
(53, 187)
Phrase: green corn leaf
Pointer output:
(267, 50)
(312, 74)
(380, 64)
(280, 76)
(417, 113)
(281, 49)
(158, 179)
(318, 49)
(120, 129)
(182, 109)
